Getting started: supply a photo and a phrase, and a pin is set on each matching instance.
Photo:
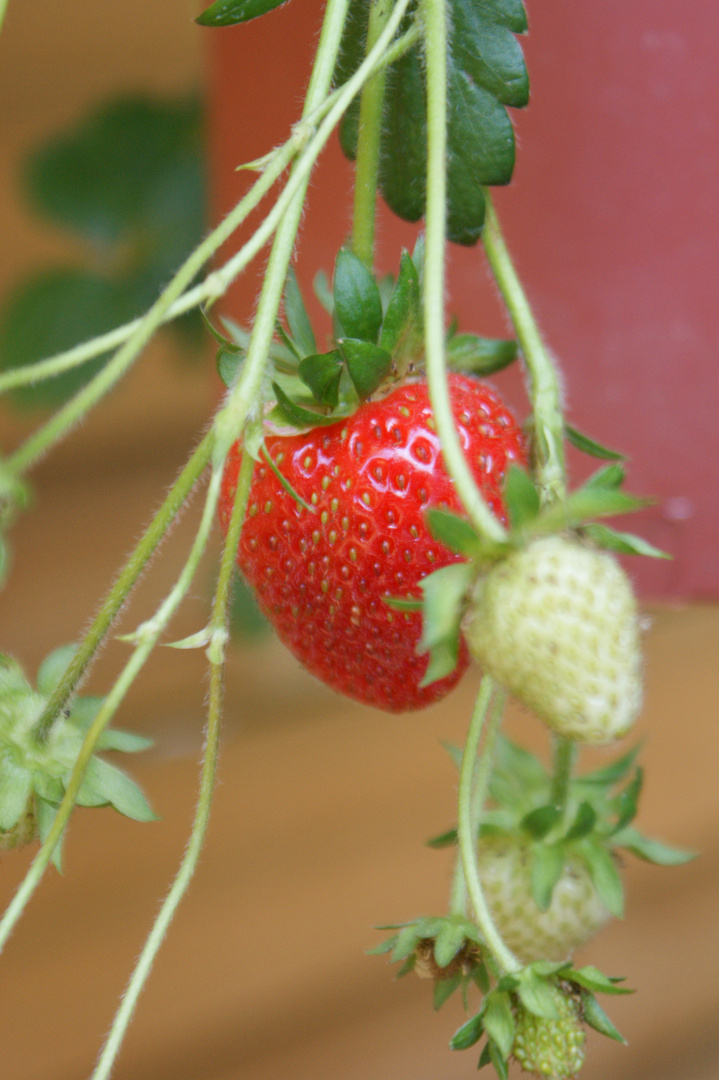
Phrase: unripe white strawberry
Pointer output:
(553, 1049)
(556, 624)
(573, 917)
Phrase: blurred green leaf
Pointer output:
(231, 12)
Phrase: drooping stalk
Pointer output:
(544, 386)
(216, 655)
(467, 832)
(368, 144)
(435, 35)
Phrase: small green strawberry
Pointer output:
(574, 915)
(556, 623)
(553, 1049)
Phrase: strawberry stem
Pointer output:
(467, 833)
(564, 751)
(368, 144)
(435, 32)
(544, 386)
(216, 655)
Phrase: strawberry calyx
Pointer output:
(34, 775)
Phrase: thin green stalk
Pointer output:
(466, 830)
(368, 144)
(207, 783)
(435, 31)
(146, 637)
(3, 10)
(480, 785)
(118, 594)
(564, 752)
(544, 388)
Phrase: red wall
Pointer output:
(612, 218)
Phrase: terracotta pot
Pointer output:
(612, 218)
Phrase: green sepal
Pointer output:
(402, 326)
(609, 476)
(539, 822)
(469, 1033)
(53, 668)
(323, 292)
(12, 677)
(407, 966)
(604, 874)
(622, 542)
(536, 994)
(15, 790)
(594, 1015)
(584, 822)
(367, 364)
(407, 941)
(357, 301)
(546, 870)
(485, 1058)
(298, 320)
(449, 940)
(444, 594)
(445, 839)
(266, 456)
(108, 785)
(610, 774)
(591, 978)
(481, 356)
(403, 603)
(498, 1060)
(454, 532)
(231, 12)
(321, 373)
(499, 1021)
(384, 947)
(228, 361)
(443, 990)
(521, 498)
(587, 502)
(480, 977)
(45, 814)
(652, 851)
(589, 446)
(296, 415)
(627, 802)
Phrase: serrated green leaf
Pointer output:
(108, 784)
(539, 822)
(589, 446)
(594, 1015)
(231, 12)
(482, 356)
(499, 1021)
(622, 542)
(297, 318)
(546, 869)
(15, 791)
(401, 333)
(443, 990)
(627, 802)
(521, 498)
(454, 532)
(53, 668)
(469, 1033)
(485, 72)
(445, 839)
(298, 416)
(321, 372)
(653, 851)
(358, 304)
(536, 994)
(368, 365)
(604, 874)
(584, 821)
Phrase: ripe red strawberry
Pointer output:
(320, 578)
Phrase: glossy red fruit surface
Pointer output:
(320, 578)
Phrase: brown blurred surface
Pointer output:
(322, 806)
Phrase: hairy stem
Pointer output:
(120, 591)
(544, 386)
(188, 865)
(466, 829)
(368, 144)
(434, 16)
